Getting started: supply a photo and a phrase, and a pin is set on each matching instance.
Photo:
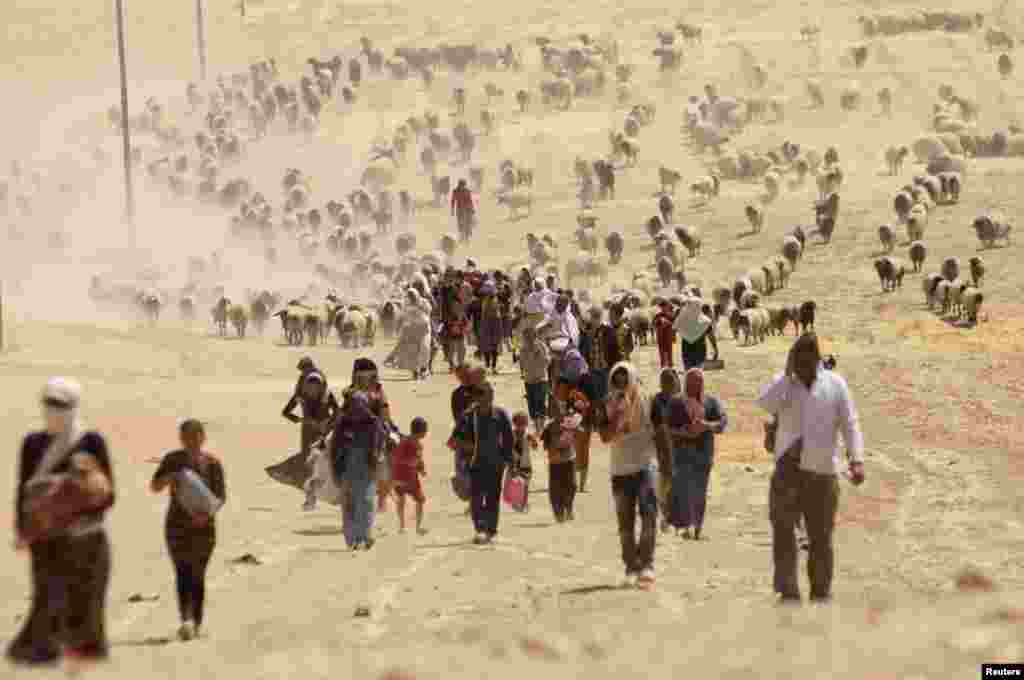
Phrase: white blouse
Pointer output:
(817, 415)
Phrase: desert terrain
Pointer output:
(940, 403)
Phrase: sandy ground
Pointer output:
(940, 405)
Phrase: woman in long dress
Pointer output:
(412, 353)
(71, 565)
(355, 451)
(491, 326)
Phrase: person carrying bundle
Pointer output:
(196, 480)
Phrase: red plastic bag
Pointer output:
(514, 493)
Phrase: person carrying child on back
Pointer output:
(407, 467)
(559, 439)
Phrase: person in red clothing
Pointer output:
(406, 469)
(463, 210)
(664, 334)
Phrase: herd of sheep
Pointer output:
(350, 243)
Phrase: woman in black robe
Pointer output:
(65, 487)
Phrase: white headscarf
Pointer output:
(541, 302)
(691, 324)
(68, 392)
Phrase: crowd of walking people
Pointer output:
(579, 380)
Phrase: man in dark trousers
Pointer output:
(484, 436)
(812, 404)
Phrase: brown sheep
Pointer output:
(890, 273)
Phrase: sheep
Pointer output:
(779, 318)
(932, 185)
(615, 244)
(950, 183)
(784, 270)
(187, 308)
(977, 271)
(587, 240)
(770, 278)
(894, 158)
(239, 319)
(259, 311)
(405, 243)
(448, 244)
(996, 37)
(992, 227)
(750, 299)
(690, 238)
(887, 237)
(150, 304)
(668, 179)
(291, 324)
(929, 286)
(629, 149)
(758, 282)
(654, 226)
(915, 226)
(585, 266)
(756, 218)
(918, 252)
(829, 181)
(666, 271)
(1005, 65)
(850, 98)
(941, 295)
(639, 322)
(220, 316)
(826, 227)
(902, 203)
(971, 300)
(352, 326)
(950, 269)
(754, 325)
(890, 273)
(523, 100)
(815, 93)
(706, 187)
(791, 250)
(667, 248)
(955, 296)
(516, 201)
(806, 314)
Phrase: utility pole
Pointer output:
(201, 38)
(129, 198)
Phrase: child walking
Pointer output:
(407, 467)
(523, 444)
(190, 538)
(559, 438)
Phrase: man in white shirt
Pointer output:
(812, 405)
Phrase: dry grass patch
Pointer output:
(1000, 331)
